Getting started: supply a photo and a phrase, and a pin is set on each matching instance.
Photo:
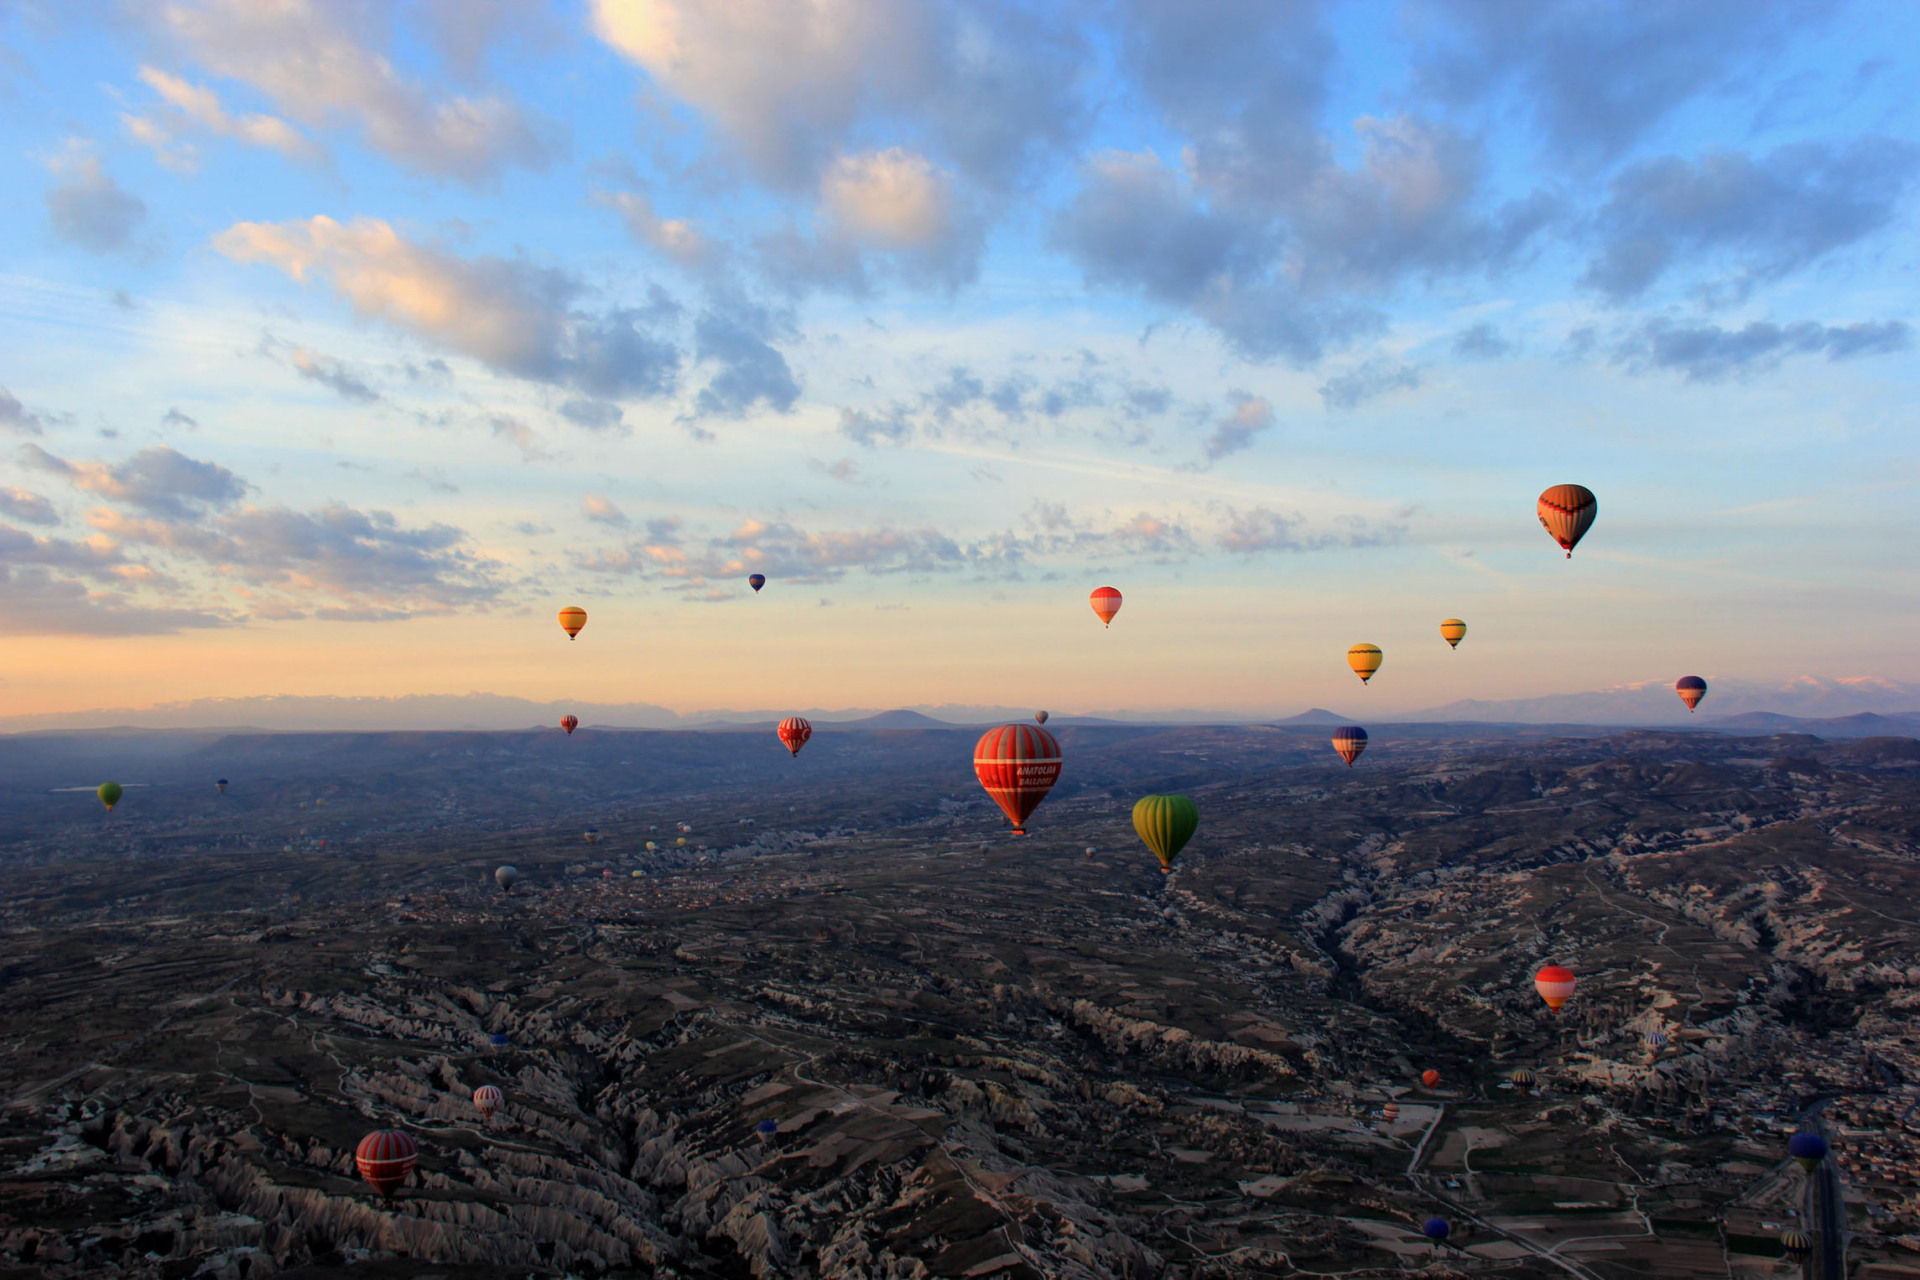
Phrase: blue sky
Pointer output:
(344, 343)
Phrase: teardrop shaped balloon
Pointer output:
(1390, 1113)
(1165, 824)
(220, 785)
(1797, 1243)
(1017, 765)
(1521, 1079)
(109, 793)
(1429, 1078)
(506, 877)
(385, 1157)
(1106, 603)
(1039, 717)
(1555, 985)
(756, 581)
(794, 732)
(572, 618)
(1808, 1149)
(1365, 659)
(1453, 631)
(1350, 741)
(1566, 511)
(1691, 689)
(569, 723)
(488, 1099)
(1436, 1230)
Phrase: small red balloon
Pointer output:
(794, 733)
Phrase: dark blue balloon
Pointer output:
(756, 580)
(1435, 1229)
(1807, 1146)
(767, 1127)
(498, 1041)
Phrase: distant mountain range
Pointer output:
(1850, 707)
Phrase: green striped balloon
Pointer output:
(1165, 824)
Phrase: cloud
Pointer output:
(1250, 416)
(173, 417)
(15, 416)
(594, 415)
(1767, 217)
(674, 237)
(898, 202)
(602, 511)
(86, 207)
(789, 85)
(1597, 78)
(331, 374)
(1264, 529)
(507, 313)
(303, 54)
(735, 337)
(845, 470)
(158, 480)
(30, 507)
(1354, 387)
(1481, 342)
(36, 602)
(891, 424)
(192, 105)
(1709, 353)
(971, 403)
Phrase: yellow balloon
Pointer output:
(572, 618)
(1453, 631)
(1365, 660)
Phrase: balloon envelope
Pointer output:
(1691, 689)
(1350, 741)
(756, 580)
(1796, 1242)
(1435, 1229)
(1365, 659)
(488, 1099)
(1453, 631)
(1807, 1150)
(1522, 1079)
(1106, 603)
(767, 1128)
(572, 618)
(109, 793)
(505, 877)
(1429, 1077)
(385, 1157)
(1390, 1112)
(1555, 985)
(1165, 824)
(569, 723)
(1017, 765)
(1039, 717)
(1566, 511)
(794, 732)
(220, 785)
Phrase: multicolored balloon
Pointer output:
(1555, 985)
(793, 733)
(569, 723)
(1429, 1078)
(1691, 689)
(591, 835)
(572, 618)
(756, 581)
(385, 1157)
(1566, 512)
(1390, 1113)
(1453, 631)
(1807, 1149)
(488, 1099)
(220, 785)
(1655, 1040)
(1017, 764)
(1522, 1079)
(1365, 659)
(109, 793)
(1797, 1243)
(1165, 824)
(1106, 603)
(1350, 741)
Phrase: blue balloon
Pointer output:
(767, 1127)
(1808, 1148)
(756, 580)
(1435, 1229)
(498, 1041)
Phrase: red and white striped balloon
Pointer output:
(794, 733)
(488, 1099)
(385, 1157)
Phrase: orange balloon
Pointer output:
(1555, 985)
(572, 618)
(1106, 603)
(1566, 511)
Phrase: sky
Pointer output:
(342, 344)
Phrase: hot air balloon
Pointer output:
(1797, 1243)
(1566, 511)
(1350, 741)
(1039, 717)
(220, 785)
(767, 1128)
(1091, 851)
(498, 1040)
(1165, 824)
(1106, 603)
(793, 733)
(1555, 985)
(1390, 1113)
(1655, 1040)
(606, 873)
(488, 1098)
(1365, 659)
(569, 723)
(506, 877)
(385, 1158)
(1691, 689)
(681, 842)
(756, 581)
(592, 835)
(1017, 764)
(572, 618)
(1453, 631)
(1807, 1149)
(1430, 1078)
(109, 793)
(1522, 1079)
(652, 847)
(1436, 1230)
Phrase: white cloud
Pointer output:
(196, 105)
